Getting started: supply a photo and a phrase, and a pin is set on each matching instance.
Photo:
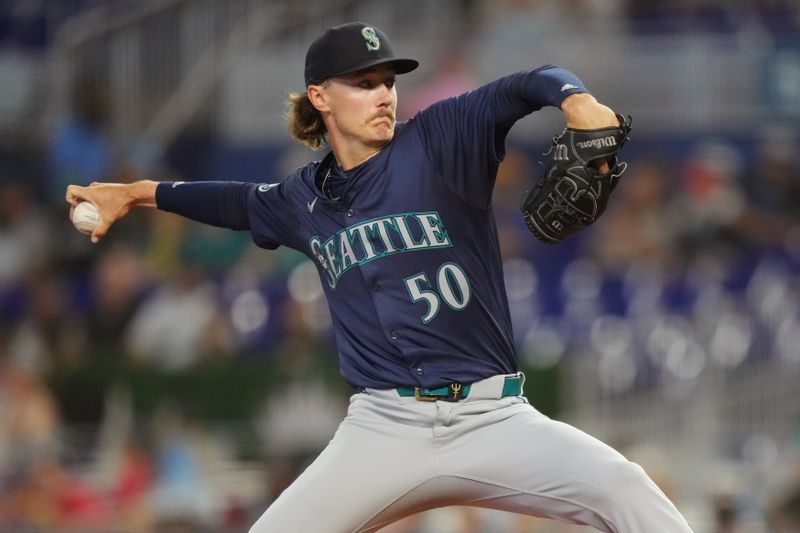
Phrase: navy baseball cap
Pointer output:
(349, 48)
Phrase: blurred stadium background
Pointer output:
(176, 378)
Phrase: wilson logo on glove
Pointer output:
(605, 142)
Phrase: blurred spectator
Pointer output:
(81, 151)
(35, 490)
(122, 463)
(183, 497)
(130, 491)
(24, 233)
(300, 415)
(710, 204)
(47, 333)
(303, 411)
(784, 516)
(516, 174)
(252, 293)
(119, 281)
(637, 228)
(29, 421)
(773, 190)
(725, 514)
(51, 498)
(179, 322)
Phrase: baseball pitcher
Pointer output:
(397, 218)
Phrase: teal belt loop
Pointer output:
(512, 386)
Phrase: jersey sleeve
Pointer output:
(464, 136)
(263, 209)
(271, 217)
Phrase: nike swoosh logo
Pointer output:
(311, 204)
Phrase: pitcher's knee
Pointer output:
(627, 484)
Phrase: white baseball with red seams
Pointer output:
(85, 217)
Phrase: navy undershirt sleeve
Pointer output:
(524, 92)
(217, 203)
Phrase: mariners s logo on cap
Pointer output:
(371, 38)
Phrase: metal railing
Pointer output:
(163, 62)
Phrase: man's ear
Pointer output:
(318, 97)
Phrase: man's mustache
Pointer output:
(382, 114)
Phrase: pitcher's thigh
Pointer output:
(554, 470)
(353, 479)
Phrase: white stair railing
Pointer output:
(162, 62)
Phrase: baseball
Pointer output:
(85, 217)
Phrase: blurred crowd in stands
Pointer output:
(693, 266)
(33, 24)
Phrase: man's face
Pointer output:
(363, 106)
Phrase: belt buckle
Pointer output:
(454, 394)
(424, 397)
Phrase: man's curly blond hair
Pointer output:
(305, 121)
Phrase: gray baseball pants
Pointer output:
(394, 456)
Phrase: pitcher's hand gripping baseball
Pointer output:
(112, 200)
(573, 193)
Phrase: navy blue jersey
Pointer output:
(408, 253)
